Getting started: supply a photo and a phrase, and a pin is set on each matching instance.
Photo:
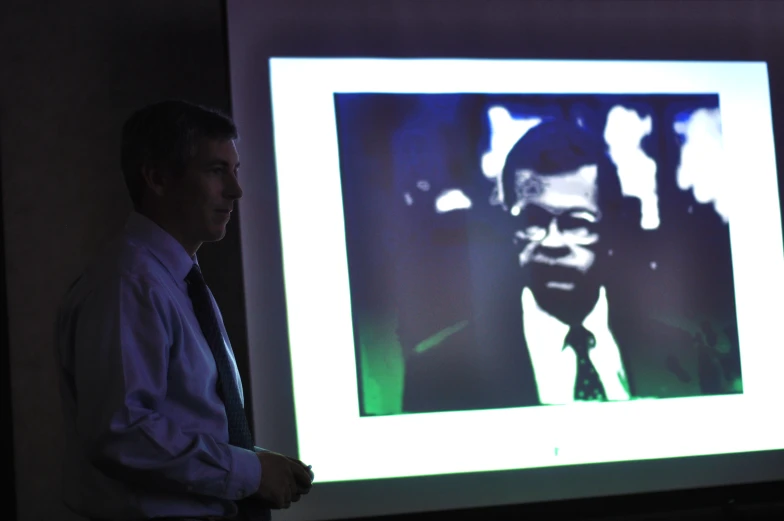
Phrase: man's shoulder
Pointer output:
(671, 355)
(121, 263)
(441, 339)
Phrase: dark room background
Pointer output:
(72, 71)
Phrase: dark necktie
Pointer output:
(587, 385)
(228, 389)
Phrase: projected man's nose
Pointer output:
(552, 237)
(551, 241)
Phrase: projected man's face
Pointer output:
(556, 219)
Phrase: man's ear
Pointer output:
(155, 179)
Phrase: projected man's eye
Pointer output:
(580, 229)
(537, 224)
(532, 223)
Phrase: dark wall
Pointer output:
(71, 73)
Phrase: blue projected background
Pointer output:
(428, 242)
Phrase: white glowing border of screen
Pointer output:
(342, 446)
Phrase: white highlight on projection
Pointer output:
(324, 375)
(703, 167)
(452, 200)
(623, 134)
(505, 131)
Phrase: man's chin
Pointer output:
(569, 301)
(215, 234)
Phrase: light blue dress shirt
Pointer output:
(145, 429)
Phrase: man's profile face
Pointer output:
(556, 220)
(205, 193)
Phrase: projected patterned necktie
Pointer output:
(239, 431)
(587, 385)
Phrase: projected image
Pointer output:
(524, 250)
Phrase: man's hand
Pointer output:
(307, 468)
(283, 480)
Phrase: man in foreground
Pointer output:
(154, 412)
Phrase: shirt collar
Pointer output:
(163, 246)
(540, 326)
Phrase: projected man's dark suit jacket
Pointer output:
(483, 363)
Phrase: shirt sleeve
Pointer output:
(122, 340)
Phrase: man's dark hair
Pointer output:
(555, 147)
(166, 135)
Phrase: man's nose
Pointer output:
(554, 244)
(554, 238)
(232, 188)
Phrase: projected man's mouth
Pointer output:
(554, 278)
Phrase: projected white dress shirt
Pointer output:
(555, 366)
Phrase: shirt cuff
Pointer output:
(245, 475)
